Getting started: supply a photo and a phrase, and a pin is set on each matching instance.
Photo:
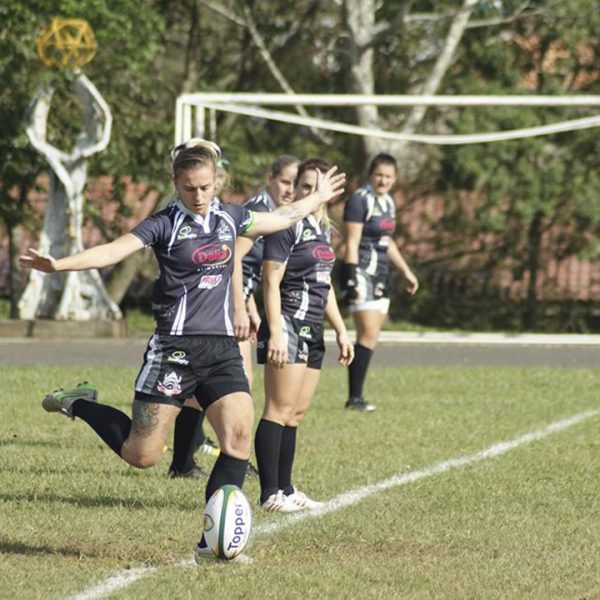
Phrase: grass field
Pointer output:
(522, 524)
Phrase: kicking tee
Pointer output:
(306, 250)
(378, 216)
(192, 294)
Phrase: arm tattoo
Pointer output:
(291, 213)
(144, 418)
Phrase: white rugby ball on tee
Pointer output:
(227, 522)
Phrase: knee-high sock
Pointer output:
(286, 459)
(267, 445)
(187, 424)
(226, 470)
(357, 370)
(110, 424)
(199, 435)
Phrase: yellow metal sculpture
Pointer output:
(67, 43)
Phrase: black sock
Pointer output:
(110, 424)
(267, 444)
(286, 459)
(227, 470)
(199, 435)
(187, 423)
(357, 370)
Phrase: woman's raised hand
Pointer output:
(35, 260)
(330, 184)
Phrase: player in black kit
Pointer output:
(369, 219)
(298, 297)
(193, 351)
(278, 191)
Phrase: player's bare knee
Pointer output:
(140, 459)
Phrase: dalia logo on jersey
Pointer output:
(387, 224)
(212, 255)
(323, 253)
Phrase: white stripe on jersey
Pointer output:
(228, 324)
(301, 312)
(179, 217)
(179, 322)
(153, 357)
(372, 266)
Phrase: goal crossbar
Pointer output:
(191, 113)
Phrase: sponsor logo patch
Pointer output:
(305, 332)
(186, 233)
(387, 224)
(208, 282)
(307, 234)
(170, 385)
(323, 277)
(178, 357)
(324, 253)
(212, 255)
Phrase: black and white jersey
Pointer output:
(378, 216)
(252, 262)
(305, 248)
(192, 294)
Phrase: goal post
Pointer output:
(195, 114)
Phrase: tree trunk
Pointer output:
(534, 241)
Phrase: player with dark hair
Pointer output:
(298, 297)
(278, 191)
(193, 351)
(369, 220)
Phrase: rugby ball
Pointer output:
(227, 522)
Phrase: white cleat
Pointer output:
(301, 500)
(279, 502)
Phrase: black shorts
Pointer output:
(177, 367)
(305, 344)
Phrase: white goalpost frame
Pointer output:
(191, 120)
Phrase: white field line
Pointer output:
(123, 579)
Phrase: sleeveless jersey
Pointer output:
(305, 248)
(192, 294)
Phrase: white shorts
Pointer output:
(382, 305)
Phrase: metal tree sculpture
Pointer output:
(77, 295)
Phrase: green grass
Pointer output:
(521, 525)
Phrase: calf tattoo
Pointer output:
(144, 418)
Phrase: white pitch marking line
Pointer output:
(123, 579)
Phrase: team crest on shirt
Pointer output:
(208, 282)
(186, 233)
(224, 233)
(170, 385)
(178, 357)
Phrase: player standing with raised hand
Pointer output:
(193, 351)
(298, 297)
(369, 220)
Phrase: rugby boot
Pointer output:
(359, 404)
(62, 400)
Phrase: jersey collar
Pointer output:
(203, 221)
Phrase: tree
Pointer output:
(528, 189)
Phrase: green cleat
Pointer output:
(61, 400)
